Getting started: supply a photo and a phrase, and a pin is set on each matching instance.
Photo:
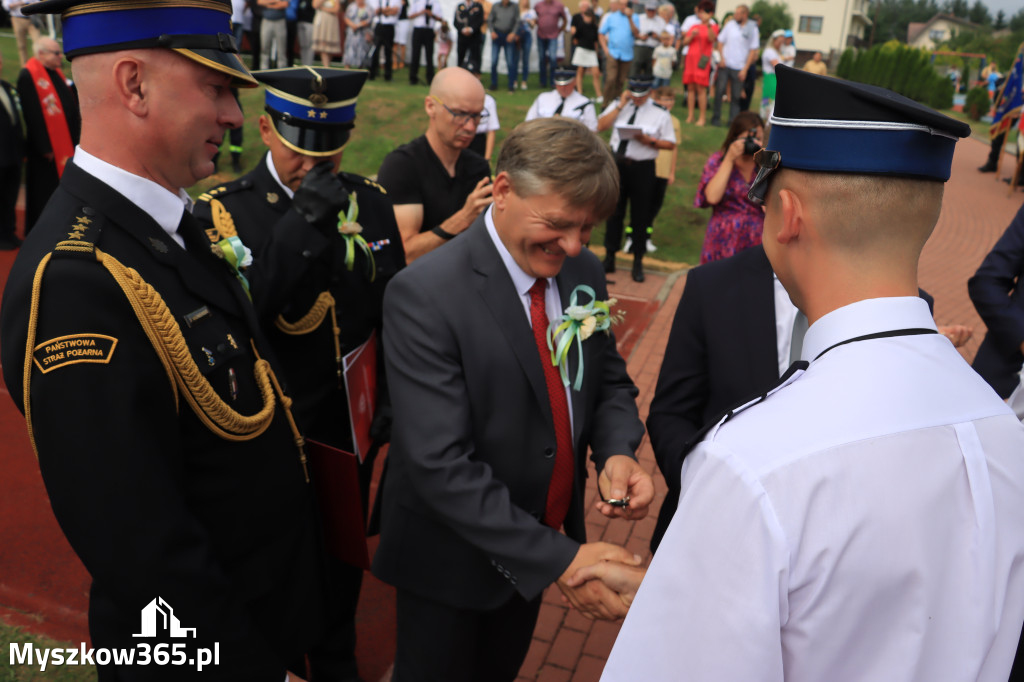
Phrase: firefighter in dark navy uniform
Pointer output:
(325, 244)
(129, 341)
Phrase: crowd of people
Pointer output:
(844, 491)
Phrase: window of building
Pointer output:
(809, 24)
(937, 34)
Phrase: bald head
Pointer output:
(455, 82)
(47, 51)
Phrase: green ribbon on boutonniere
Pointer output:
(350, 231)
(577, 324)
(238, 257)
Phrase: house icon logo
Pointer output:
(158, 619)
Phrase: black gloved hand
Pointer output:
(321, 196)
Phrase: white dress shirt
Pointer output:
(861, 523)
(392, 19)
(655, 121)
(576, 106)
(522, 283)
(785, 315)
(162, 205)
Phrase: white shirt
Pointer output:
(162, 205)
(522, 283)
(423, 20)
(238, 9)
(374, 5)
(655, 121)
(489, 122)
(16, 12)
(269, 160)
(653, 25)
(862, 523)
(785, 315)
(576, 106)
(737, 42)
(769, 58)
(788, 53)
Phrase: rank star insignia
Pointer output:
(158, 245)
(272, 197)
(311, 113)
(323, 114)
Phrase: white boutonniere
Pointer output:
(578, 323)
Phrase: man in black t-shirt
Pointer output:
(437, 185)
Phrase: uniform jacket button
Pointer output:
(549, 452)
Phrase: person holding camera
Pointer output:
(736, 222)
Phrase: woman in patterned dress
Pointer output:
(736, 222)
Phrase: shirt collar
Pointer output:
(520, 280)
(162, 205)
(866, 317)
(277, 179)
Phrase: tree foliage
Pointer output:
(907, 70)
(773, 17)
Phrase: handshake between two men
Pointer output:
(603, 578)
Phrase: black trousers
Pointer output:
(636, 188)
(422, 38)
(469, 52)
(439, 643)
(383, 36)
(660, 187)
(10, 183)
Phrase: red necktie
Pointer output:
(560, 488)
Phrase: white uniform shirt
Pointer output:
(862, 523)
(737, 42)
(489, 122)
(576, 106)
(655, 122)
(374, 5)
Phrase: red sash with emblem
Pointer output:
(53, 114)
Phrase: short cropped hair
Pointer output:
(562, 156)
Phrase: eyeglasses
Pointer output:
(462, 117)
(51, 51)
(767, 162)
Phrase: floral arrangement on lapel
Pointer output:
(238, 256)
(351, 232)
(578, 323)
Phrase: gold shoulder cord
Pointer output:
(312, 320)
(222, 219)
(165, 335)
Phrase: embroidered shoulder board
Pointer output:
(359, 180)
(224, 190)
(82, 235)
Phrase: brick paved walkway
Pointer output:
(976, 209)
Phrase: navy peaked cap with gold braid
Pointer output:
(829, 125)
(197, 29)
(313, 108)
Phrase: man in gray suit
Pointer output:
(488, 453)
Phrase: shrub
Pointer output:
(977, 104)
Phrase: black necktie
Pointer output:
(559, 109)
(622, 145)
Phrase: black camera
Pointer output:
(750, 145)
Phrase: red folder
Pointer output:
(361, 388)
(336, 477)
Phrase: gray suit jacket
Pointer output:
(473, 441)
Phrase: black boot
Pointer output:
(609, 261)
(638, 267)
(987, 168)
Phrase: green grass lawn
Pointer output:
(26, 673)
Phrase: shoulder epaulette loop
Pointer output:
(83, 234)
